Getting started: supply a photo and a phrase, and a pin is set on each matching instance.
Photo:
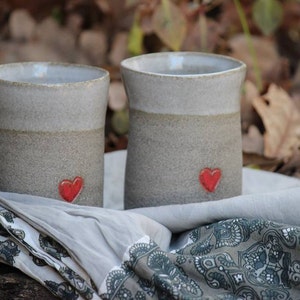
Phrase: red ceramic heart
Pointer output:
(69, 190)
(210, 178)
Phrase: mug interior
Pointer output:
(48, 73)
(181, 63)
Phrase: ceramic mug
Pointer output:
(185, 134)
(52, 118)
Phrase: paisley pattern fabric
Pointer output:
(240, 258)
(49, 263)
(231, 259)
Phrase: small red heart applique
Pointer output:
(210, 178)
(69, 190)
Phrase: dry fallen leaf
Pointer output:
(253, 141)
(22, 25)
(261, 162)
(169, 24)
(292, 165)
(282, 123)
(94, 45)
(119, 48)
(248, 114)
(202, 38)
(103, 5)
(268, 58)
(117, 99)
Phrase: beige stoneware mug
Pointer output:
(52, 118)
(185, 133)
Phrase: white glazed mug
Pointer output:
(185, 134)
(52, 119)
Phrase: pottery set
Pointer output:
(184, 142)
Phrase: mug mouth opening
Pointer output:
(182, 64)
(49, 74)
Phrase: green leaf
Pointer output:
(135, 39)
(267, 15)
(57, 14)
(130, 3)
(253, 166)
(169, 24)
(120, 121)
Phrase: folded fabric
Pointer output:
(246, 247)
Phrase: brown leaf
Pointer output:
(253, 141)
(119, 48)
(103, 5)
(39, 9)
(94, 45)
(130, 3)
(281, 120)
(292, 165)
(261, 162)
(200, 38)
(117, 99)
(248, 114)
(114, 142)
(113, 7)
(296, 97)
(169, 24)
(22, 26)
(268, 59)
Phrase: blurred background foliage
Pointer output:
(265, 34)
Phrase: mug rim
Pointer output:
(131, 64)
(103, 74)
